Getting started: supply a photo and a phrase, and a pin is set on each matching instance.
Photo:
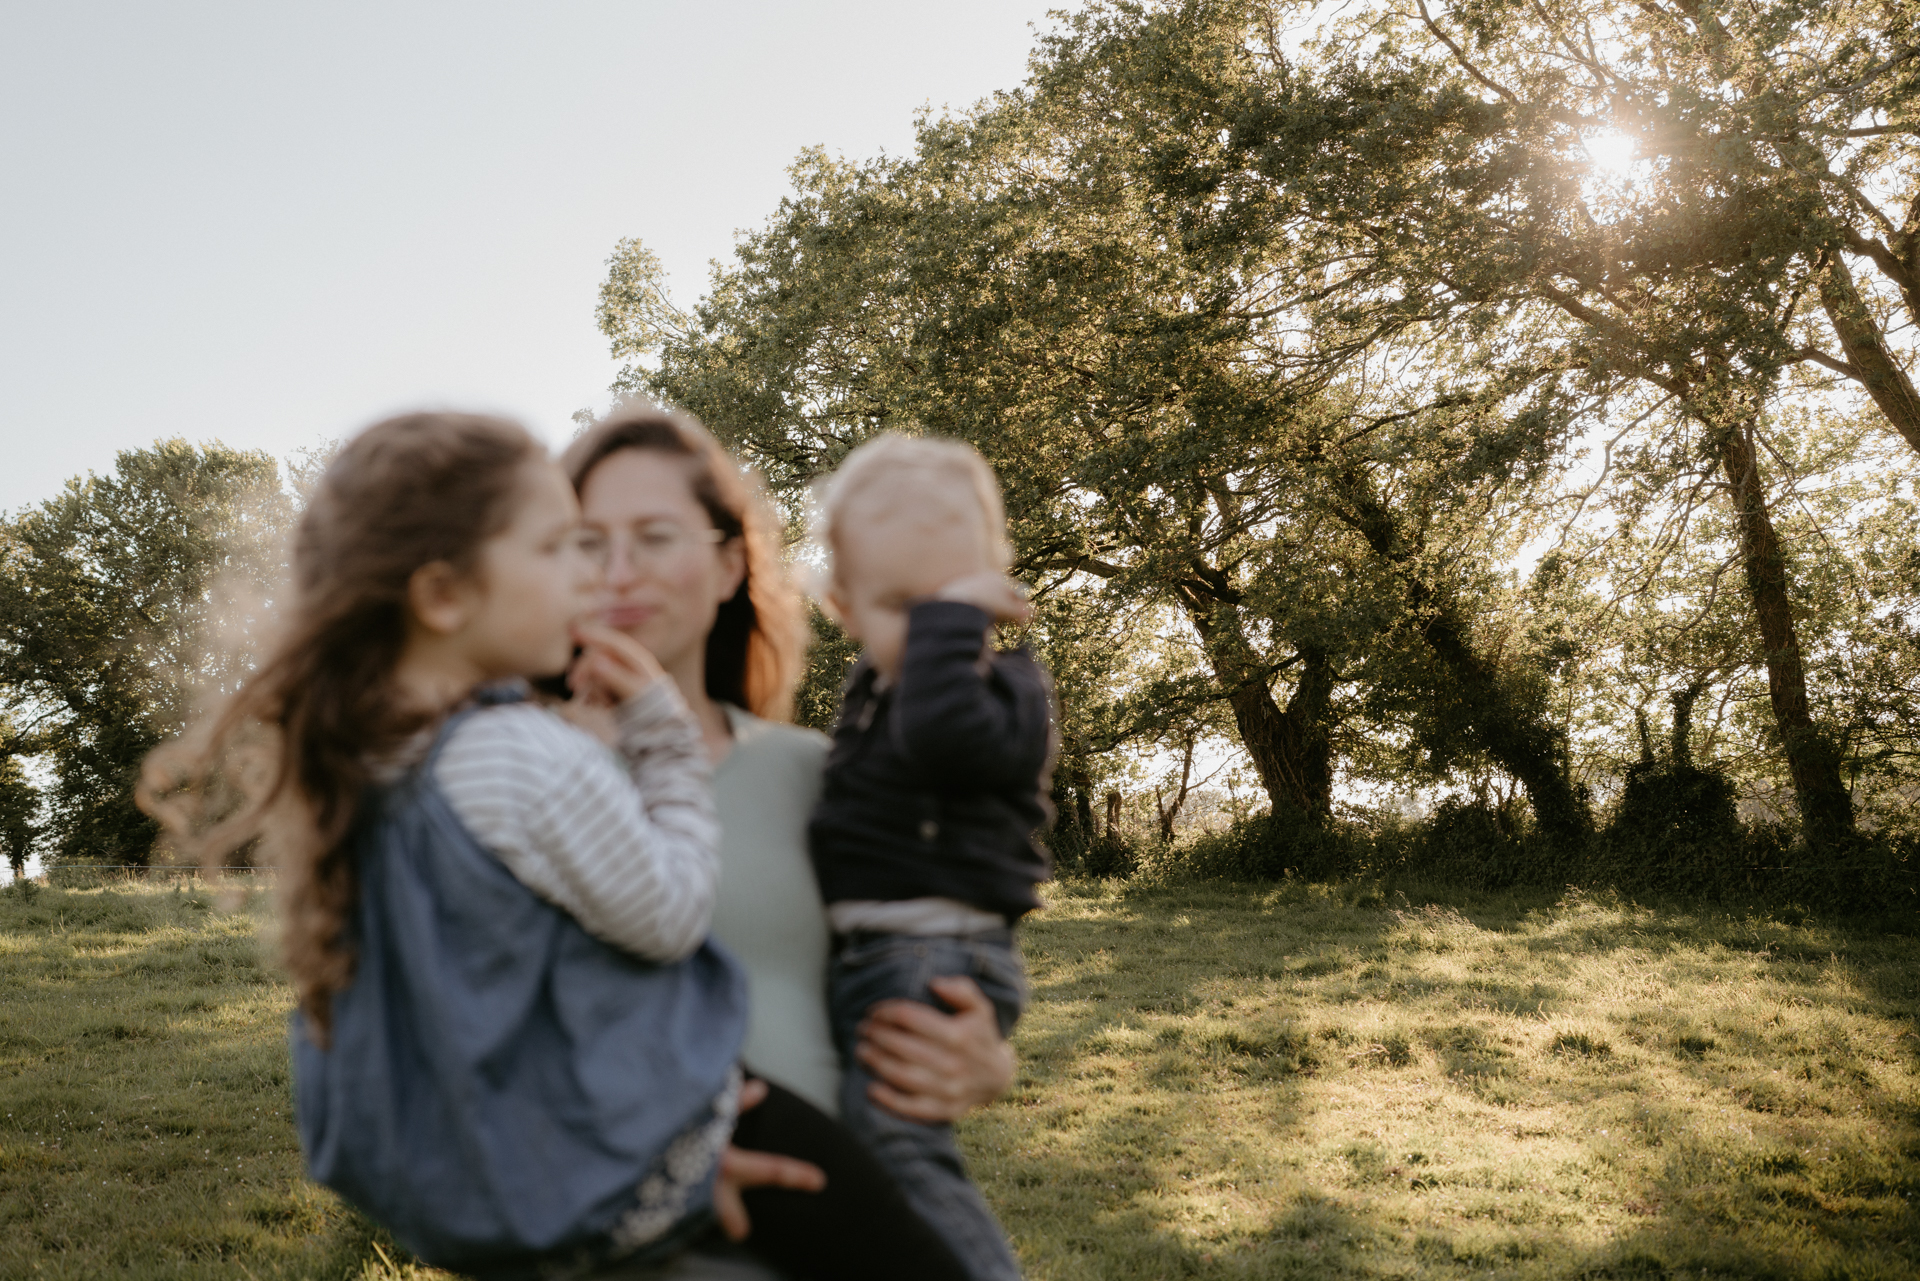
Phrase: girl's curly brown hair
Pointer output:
(287, 760)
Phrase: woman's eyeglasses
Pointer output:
(657, 542)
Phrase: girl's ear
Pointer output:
(440, 598)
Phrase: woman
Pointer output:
(691, 558)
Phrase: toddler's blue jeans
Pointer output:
(872, 967)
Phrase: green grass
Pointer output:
(1303, 1082)
(145, 1123)
(1263, 1082)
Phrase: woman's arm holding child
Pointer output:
(929, 1065)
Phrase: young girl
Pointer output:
(514, 1046)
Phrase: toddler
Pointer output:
(515, 1046)
(936, 781)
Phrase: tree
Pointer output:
(1060, 324)
(122, 601)
(19, 803)
(1287, 348)
(823, 337)
(1438, 161)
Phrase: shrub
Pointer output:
(1099, 855)
(1108, 855)
(1675, 831)
(1267, 847)
(1480, 846)
(1871, 874)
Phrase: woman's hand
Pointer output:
(612, 666)
(742, 1168)
(931, 1065)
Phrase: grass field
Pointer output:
(1268, 1082)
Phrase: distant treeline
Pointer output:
(123, 600)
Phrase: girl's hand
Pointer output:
(931, 1065)
(612, 666)
(742, 1168)
(996, 594)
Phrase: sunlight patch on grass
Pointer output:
(1215, 1082)
(1286, 1081)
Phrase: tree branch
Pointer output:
(1460, 56)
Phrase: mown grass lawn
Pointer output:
(145, 1119)
(1296, 1082)
(1265, 1082)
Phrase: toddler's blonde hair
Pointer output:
(937, 462)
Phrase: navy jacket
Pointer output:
(936, 784)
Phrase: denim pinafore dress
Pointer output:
(503, 1091)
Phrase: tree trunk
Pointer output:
(1306, 749)
(1072, 831)
(1680, 746)
(1083, 801)
(1526, 747)
(1169, 811)
(1290, 749)
(1826, 807)
(1866, 350)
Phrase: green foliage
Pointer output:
(123, 601)
(1481, 845)
(1435, 170)
(1200, 561)
(830, 659)
(1103, 856)
(19, 811)
(1676, 831)
(1674, 837)
(1272, 847)
(1291, 351)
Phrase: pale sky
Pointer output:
(270, 224)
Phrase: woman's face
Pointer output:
(664, 572)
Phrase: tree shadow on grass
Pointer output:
(1130, 1052)
(1108, 1202)
(1100, 1196)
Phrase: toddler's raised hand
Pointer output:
(996, 594)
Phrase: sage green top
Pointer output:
(767, 911)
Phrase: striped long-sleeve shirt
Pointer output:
(630, 856)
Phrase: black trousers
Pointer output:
(859, 1227)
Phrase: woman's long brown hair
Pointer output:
(288, 758)
(759, 639)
